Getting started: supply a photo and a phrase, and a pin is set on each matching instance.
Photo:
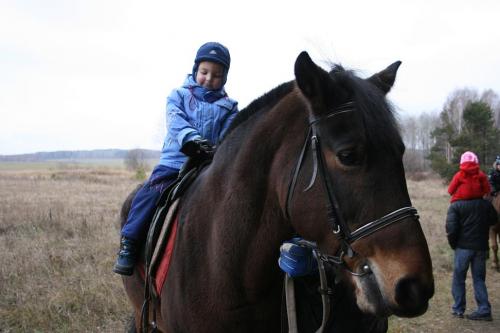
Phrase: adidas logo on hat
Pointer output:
(213, 52)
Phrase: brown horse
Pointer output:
(495, 233)
(319, 157)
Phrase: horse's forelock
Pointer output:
(377, 112)
(378, 115)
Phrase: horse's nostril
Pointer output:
(412, 296)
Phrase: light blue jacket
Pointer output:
(193, 114)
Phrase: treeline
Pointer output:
(469, 120)
(77, 155)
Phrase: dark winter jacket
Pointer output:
(494, 179)
(468, 223)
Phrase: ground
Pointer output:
(431, 199)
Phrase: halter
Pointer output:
(334, 217)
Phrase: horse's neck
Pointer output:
(256, 168)
(250, 180)
(257, 159)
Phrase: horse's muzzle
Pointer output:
(412, 296)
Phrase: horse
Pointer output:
(495, 233)
(319, 157)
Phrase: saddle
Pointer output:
(161, 237)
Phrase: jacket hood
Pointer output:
(190, 82)
(470, 168)
(202, 93)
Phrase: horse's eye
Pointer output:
(348, 157)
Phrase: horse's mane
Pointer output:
(377, 113)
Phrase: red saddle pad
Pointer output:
(166, 258)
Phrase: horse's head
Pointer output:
(349, 192)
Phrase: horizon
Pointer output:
(79, 151)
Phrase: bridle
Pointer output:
(334, 217)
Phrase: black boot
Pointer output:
(125, 262)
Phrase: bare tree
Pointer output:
(427, 122)
(493, 100)
(416, 132)
(456, 103)
(135, 160)
(409, 133)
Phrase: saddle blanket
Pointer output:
(165, 257)
(164, 265)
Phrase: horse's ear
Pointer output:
(384, 80)
(310, 77)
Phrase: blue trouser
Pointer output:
(144, 204)
(477, 261)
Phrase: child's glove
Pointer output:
(297, 260)
(197, 148)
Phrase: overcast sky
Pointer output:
(92, 74)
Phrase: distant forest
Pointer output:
(469, 120)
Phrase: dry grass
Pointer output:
(58, 239)
(59, 235)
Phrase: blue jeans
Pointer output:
(144, 204)
(477, 261)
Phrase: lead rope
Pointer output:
(291, 309)
(325, 293)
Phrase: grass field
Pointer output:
(58, 239)
(59, 234)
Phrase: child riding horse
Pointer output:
(319, 157)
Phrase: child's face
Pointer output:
(210, 75)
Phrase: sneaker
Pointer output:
(479, 316)
(457, 314)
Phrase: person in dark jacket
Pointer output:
(494, 177)
(467, 229)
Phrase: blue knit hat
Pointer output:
(214, 52)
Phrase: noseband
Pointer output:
(334, 217)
